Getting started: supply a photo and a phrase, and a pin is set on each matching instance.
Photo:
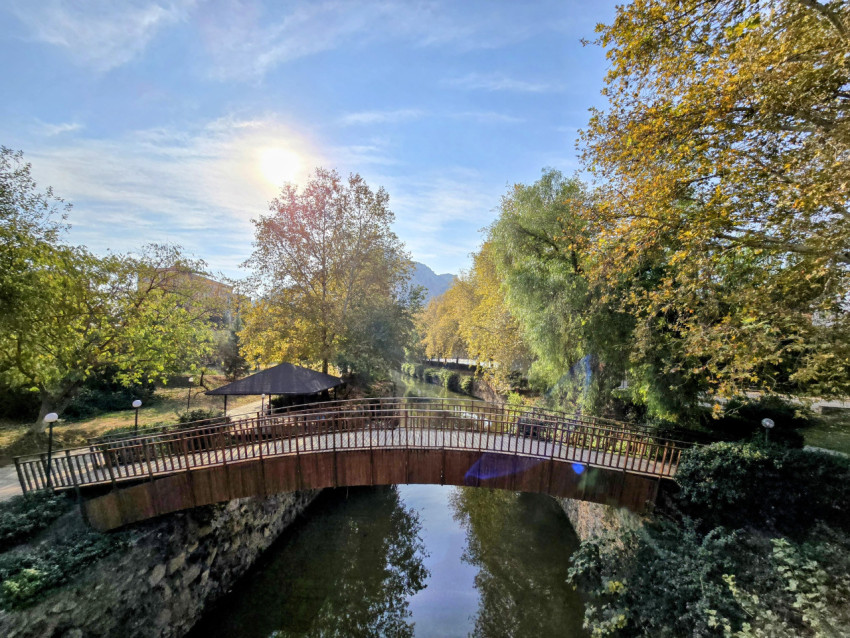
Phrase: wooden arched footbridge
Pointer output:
(360, 442)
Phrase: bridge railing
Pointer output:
(355, 425)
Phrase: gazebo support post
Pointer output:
(225, 405)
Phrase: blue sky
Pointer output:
(177, 120)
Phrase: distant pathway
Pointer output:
(9, 484)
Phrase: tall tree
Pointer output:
(66, 314)
(324, 257)
(539, 244)
(723, 157)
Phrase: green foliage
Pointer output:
(25, 575)
(712, 569)
(198, 416)
(741, 420)
(22, 517)
(68, 314)
(415, 370)
(17, 403)
(467, 383)
(720, 158)
(581, 341)
(378, 335)
(102, 392)
(658, 580)
(770, 487)
(449, 379)
(233, 363)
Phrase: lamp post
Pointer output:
(50, 419)
(136, 405)
(189, 396)
(767, 424)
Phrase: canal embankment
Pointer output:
(167, 574)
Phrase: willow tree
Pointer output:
(324, 258)
(723, 156)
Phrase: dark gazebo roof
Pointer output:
(281, 379)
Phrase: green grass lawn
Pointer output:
(15, 438)
(830, 431)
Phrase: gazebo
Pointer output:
(284, 380)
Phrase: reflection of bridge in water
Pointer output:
(361, 442)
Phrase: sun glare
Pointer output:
(279, 165)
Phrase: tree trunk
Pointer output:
(52, 403)
(324, 366)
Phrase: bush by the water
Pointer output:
(22, 517)
(668, 579)
(27, 574)
(449, 379)
(415, 370)
(755, 544)
(765, 486)
(467, 384)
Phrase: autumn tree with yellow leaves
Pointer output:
(724, 163)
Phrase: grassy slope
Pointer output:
(831, 431)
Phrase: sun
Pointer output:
(279, 165)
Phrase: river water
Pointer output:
(410, 560)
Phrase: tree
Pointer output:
(439, 322)
(324, 259)
(723, 162)
(488, 327)
(67, 314)
(539, 244)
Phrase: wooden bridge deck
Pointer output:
(471, 430)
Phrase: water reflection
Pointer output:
(348, 571)
(521, 544)
(409, 387)
(357, 565)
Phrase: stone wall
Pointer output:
(593, 519)
(174, 568)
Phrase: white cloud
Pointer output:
(381, 117)
(50, 130)
(245, 39)
(489, 117)
(197, 187)
(500, 82)
(439, 213)
(100, 34)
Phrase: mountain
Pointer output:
(434, 284)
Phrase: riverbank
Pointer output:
(171, 571)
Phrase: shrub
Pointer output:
(198, 417)
(449, 379)
(666, 579)
(103, 393)
(129, 431)
(25, 575)
(414, 370)
(19, 404)
(765, 486)
(22, 517)
(659, 580)
(466, 384)
(741, 421)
